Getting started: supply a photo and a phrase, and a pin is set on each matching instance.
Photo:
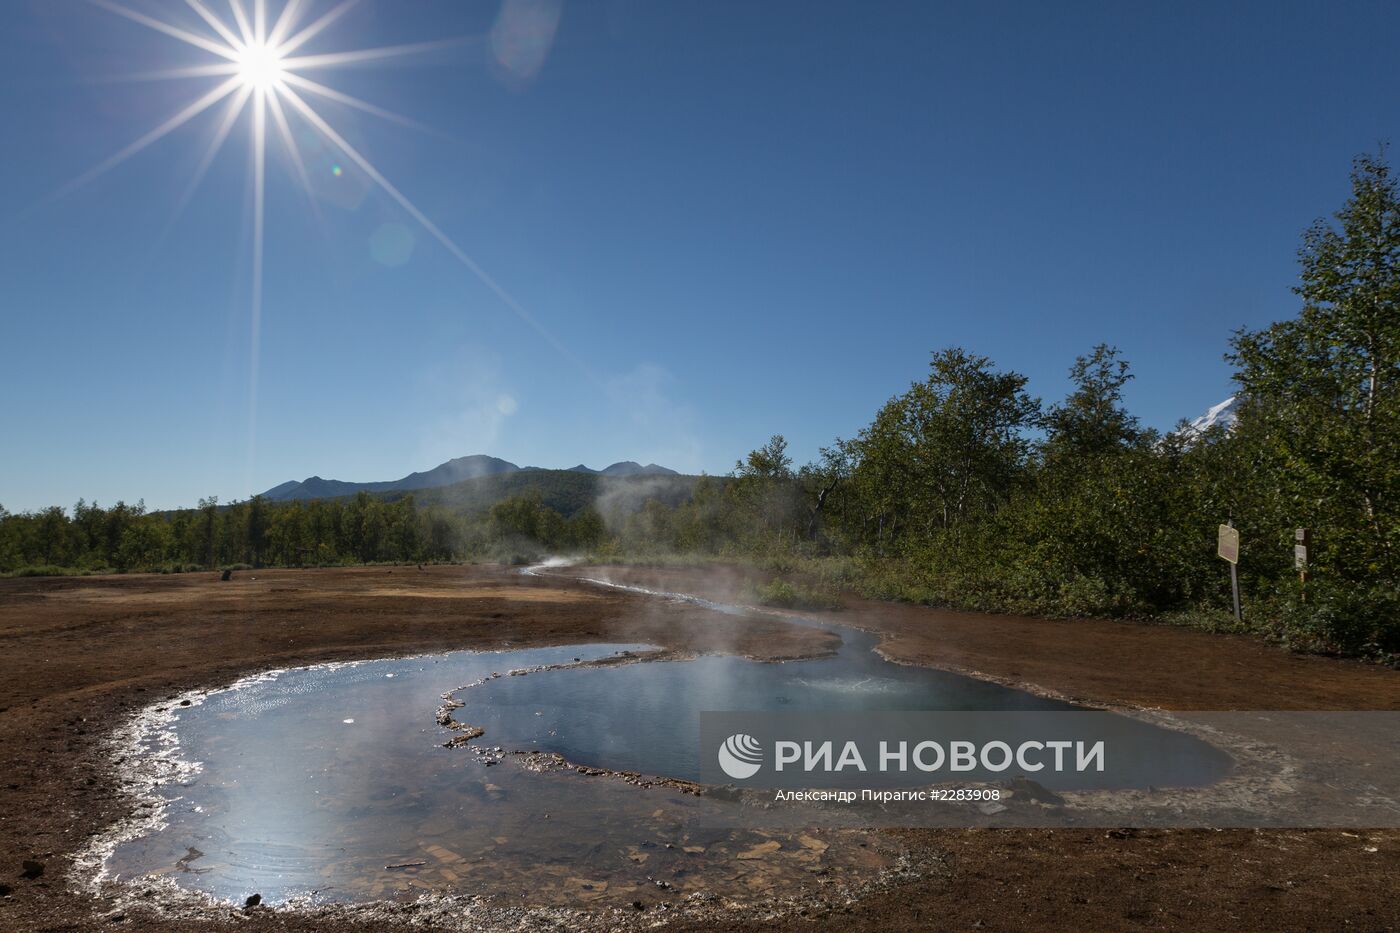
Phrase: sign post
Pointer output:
(1227, 547)
(1302, 546)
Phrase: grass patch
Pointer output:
(52, 570)
(785, 595)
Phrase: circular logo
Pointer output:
(740, 756)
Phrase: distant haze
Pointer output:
(453, 471)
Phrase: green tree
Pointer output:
(1092, 421)
(204, 547)
(517, 517)
(142, 546)
(949, 450)
(585, 529)
(1087, 524)
(769, 462)
(766, 494)
(256, 530)
(1325, 385)
(822, 483)
(54, 545)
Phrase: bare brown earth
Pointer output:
(1098, 661)
(78, 655)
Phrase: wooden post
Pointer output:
(1302, 550)
(1235, 589)
(1227, 548)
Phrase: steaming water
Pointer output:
(646, 717)
(332, 781)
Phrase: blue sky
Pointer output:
(730, 219)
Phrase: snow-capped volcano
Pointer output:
(1223, 414)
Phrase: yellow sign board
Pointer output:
(1228, 544)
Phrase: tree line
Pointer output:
(362, 529)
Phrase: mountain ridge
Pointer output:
(447, 473)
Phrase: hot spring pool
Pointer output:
(332, 782)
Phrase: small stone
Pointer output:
(762, 850)
(32, 869)
(115, 916)
(1025, 787)
(253, 900)
(639, 905)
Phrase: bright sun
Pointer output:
(259, 66)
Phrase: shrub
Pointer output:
(1343, 620)
(785, 595)
(46, 570)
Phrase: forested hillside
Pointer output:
(567, 492)
(501, 516)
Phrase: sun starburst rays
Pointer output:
(199, 105)
(175, 32)
(316, 27)
(240, 18)
(254, 53)
(254, 59)
(285, 19)
(214, 22)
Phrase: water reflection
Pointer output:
(333, 781)
(646, 717)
